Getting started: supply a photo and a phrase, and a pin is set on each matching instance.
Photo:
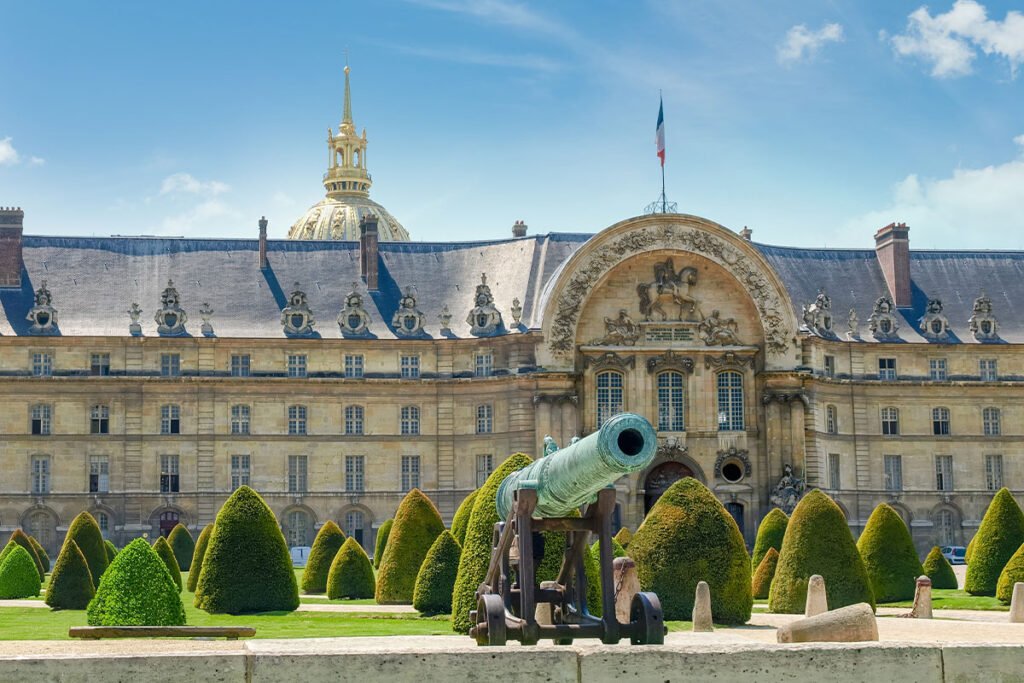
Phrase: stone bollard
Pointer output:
(851, 624)
(544, 612)
(922, 599)
(817, 601)
(1017, 604)
(702, 609)
(627, 584)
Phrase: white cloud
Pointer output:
(950, 41)
(36, 161)
(187, 183)
(207, 217)
(802, 44)
(976, 207)
(8, 155)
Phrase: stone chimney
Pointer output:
(892, 247)
(263, 243)
(746, 232)
(368, 252)
(11, 222)
(519, 229)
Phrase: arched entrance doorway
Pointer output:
(736, 512)
(660, 478)
(168, 520)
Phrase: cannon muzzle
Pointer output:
(568, 478)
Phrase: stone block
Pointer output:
(627, 584)
(922, 599)
(702, 609)
(855, 623)
(817, 600)
(167, 668)
(1017, 603)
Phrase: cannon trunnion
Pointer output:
(541, 497)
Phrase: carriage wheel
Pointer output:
(490, 609)
(646, 620)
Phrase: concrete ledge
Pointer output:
(983, 663)
(169, 668)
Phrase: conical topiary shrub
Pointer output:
(1012, 573)
(762, 581)
(476, 551)
(769, 535)
(111, 551)
(166, 553)
(21, 538)
(86, 533)
(197, 558)
(19, 575)
(1000, 534)
(687, 537)
(818, 541)
(11, 545)
(351, 574)
(460, 522)
(41, 553)
(183, 546)
(325, 546)
(436, 580)
(417, 525)
(71, 584)
(137, 590)
(247, 567)
(968, 549)
(617, 549)
(624, 536)
(383, 533)
(889, 555)
(937, 568)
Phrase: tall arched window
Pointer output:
(609, 395)
(831, 420)
(355, 525)
(730, 401)
(671, 402)
(298, 529)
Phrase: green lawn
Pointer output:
(941, 599)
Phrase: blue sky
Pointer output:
(813, 122)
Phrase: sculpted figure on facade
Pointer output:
(205, 313)
(43, 315)
(671, 288)
(297, 318)
(933, 324)
(883, 322)
(550, 446)
(818, 316)
(171, 318)
(134, 312)
(788, 491)
(718, 331)
(517, 311)
(983, 323)
(852, 325)
(484, 319)
(408, 320)
(619, 331)
(354, 319)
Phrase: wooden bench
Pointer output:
(97, 632)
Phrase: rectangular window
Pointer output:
(297, 365)
(239, 471)
(240, 365)
(99, 364)
(410, 367)
(354, 473)
(240, 419)
(296, 420)
(988, 370)
(890, 421)
(831, 420)
(170, 365)
(40, 474)
(609, 396)
(893, 473)
(937, 369)
(410, 420)
(830, 366)
(354, 420)
(990, 419)
(994, 472)
(297, 474)
(99, 474)
(42, 365)
(484, 366)
(353, 365)
(834, 482)
(99, 420)
(730, 401)
(484, 467)
(410, 472)
(484, 419)
(671, 402)
(169, 478)
(887, 368)
(170, 419)
(944, 472)
(41, 419)
(940, 421)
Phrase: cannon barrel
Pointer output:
(568, 478)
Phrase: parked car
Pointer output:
(955, 554)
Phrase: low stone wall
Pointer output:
(368, 660)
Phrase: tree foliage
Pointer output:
(889, 555)
(19, 575)
(326, 545)
(436, 580)
(938, 569)
(183, 546)
(137, 590)
(417, 525)
(382, 542)
(166, 553)
(1000, 534)
(770, 533)
(351, 574)
(86, 533)
(197, 558)
(764, 574)
(460, 522)
(71, 585)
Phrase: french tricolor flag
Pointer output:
(661, 131)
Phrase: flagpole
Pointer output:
(663, 209)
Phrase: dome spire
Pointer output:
(346, 117)
(346, 166)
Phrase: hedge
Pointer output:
(197, 558)
(41, 553)
(71, 584)
(889, 555)
(818, 541)
(770, 533)
(617, 550)
(111, 551)
(246, 567)
(382, 542)
(762, 581)
(183, 546)
(436, 580)
(166, 553)
(476, 551)
(137, 590)
(460, 522)
(967, 551)
(86, 533)
(937, 568)
(326, 545)
(417, 525)
(1000, 534)
(687, 537)
(21, 538)
(624, 537)
(1012, 573)
(19, 575)
(351, 574)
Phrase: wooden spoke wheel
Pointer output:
(490, 630)
(646, 620)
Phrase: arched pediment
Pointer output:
(575, 282)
